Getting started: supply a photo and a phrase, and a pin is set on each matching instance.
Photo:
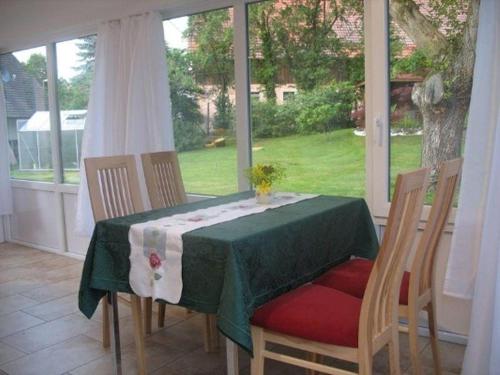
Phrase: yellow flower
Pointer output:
(263, 176)
(264, 188)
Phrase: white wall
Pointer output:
(32, 23)
(2, 236)
(453, 313)
(38, 220)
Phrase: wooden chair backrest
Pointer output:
(163, 179)
(422, 268)
(381, 300)
(113, 186)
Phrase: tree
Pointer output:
(183, 94)
(74, 93)
(86, 53)
(37, 66)
(264, 46)
(443, 97)
(306, 34)
(212, 58)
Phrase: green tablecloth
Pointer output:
(232, 268)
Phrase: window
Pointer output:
(201, 71)
(255, 95)
(304, 120)
(24, 78)
(75, 66)
(288, 95)
(430, 87)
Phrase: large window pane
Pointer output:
(307, 73)
(24, 78)
(432, 61)
(75, 65)
(201, 71)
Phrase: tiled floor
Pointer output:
(42, 331)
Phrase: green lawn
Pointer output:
(330, 163)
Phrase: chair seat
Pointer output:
(313, 312)
(352, 277)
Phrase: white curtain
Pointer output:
(129, 109)
(5, 189)
(474, 264)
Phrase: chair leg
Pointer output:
(413, 341)
(313, 357)
(365, 363)
(210, 333)
(431, 313)
(161, 315)
(394, 364)
(138, 334)
(106, 339)
(148, 314)
(257, 362)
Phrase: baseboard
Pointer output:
(446, 336)
(35, 246)
(47, 248)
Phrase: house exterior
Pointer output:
(24, 95)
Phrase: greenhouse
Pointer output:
(34, 142)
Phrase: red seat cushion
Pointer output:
(352, 276)
(313, 312)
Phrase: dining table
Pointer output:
(231, 268)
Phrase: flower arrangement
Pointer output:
(262, 176)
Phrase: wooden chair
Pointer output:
(114, 191)
(163, 179)
(418, 291)
(166, 189)
(327, 322)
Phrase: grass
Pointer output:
(332, 163)
(70, 176)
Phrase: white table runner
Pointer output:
(156, 246)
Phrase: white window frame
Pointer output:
(376, 97)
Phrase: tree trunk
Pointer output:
(443, 98)
(443, 119)
(442, 135)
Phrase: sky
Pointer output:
(67, 58)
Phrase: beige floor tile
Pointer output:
(51, 333)
(157, 355)
(55, 309)
(18, 286)
(21, 260)
(14, 303)
(126, 332)
(56, 359)
(62, 341)
(64, 273)
(8, 353)
(124, 311)
(52, 291)
(16, 322)
(451, 357)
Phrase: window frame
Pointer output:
(377, 140)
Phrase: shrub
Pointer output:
(319, 110)
(188, 135)
(326, 108)
(263, 118)
(224, 117)
(409, 124)
(272, 120)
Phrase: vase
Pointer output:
(263, 197)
